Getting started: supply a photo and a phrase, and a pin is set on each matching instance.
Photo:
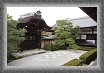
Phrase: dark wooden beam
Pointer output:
(90, 11)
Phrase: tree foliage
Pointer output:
(14, 36)
(65, 33)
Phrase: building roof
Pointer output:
(90, 11)
(84, 22)
(33, 21)
(48, 37)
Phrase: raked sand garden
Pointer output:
(49, 58)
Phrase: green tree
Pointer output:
(65, 33)
(76, 32)
(14, 36)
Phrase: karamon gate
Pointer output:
(34, 25)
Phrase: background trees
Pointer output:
(14, 37)
(65, 34)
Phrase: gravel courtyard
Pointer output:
(54, 58)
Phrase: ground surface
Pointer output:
(54, 58)
(28, 53)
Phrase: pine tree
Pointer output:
(65, 33)
(14, 36)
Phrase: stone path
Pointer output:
(54, 58)
(28, 53)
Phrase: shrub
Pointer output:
(48, 46)
(85, 48)
(10, 58)
(89, 56)
(74, 62)
(75, 47)
(58, 47)
(55, 47)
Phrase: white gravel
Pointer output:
(54, 58)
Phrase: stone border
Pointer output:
(27, 53)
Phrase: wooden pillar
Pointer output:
(39, 39)
(92, 31)
(80, 36)
(28, 37)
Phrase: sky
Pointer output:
(49, 14)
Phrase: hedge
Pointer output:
(85, 48)
(74, 62)
(58, 47)
(48, 46)
(89, 56)
(53, 47)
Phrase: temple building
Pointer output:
(88, 29)
(34, 25)
(39, 33)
